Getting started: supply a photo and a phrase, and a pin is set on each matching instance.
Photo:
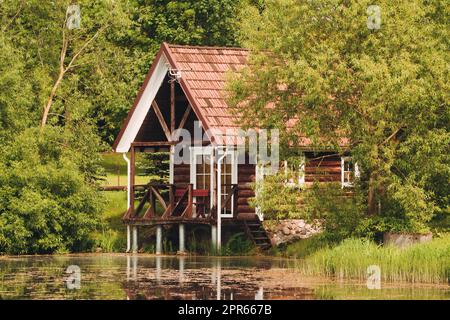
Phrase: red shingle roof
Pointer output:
(203, 75)
(203, 70)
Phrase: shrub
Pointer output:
(48, 196)
(238, 244)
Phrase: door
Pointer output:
(228, 172)
(202, 173)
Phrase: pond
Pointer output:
(117, 276)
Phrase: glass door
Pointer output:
(228, 171)
(202, 177)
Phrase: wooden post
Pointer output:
(181, 249)
(235, 200)
(190, 200)
(213, 237)
(134, 247)
(158, 239)
(132, 160)
(172, 107)
(171, 197)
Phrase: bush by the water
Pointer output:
(48, 196)
(427, 262)
(238, 244)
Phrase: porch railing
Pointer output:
(231, 199)
(169, 201)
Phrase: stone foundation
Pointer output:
(290, 230)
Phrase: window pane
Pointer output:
(207, 164)
(228, 179)
(207, 180)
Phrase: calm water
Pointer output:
(149, 277)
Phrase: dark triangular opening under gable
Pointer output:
(151, 130)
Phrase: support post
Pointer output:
(214, 237)
(181, 249)
(134, 247)
(131, 179)
(128, 238)
(158, 239)
(172, 107)
(219, 201)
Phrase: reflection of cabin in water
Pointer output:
(184, 90)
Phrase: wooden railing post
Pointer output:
(171, 198)
(235, 201)
(190, 200)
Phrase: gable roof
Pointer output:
(203, 72)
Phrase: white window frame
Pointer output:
(301, 173)
(234, 174)
(355, 172)
(259, 180)
(194, 152)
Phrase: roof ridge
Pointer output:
(170, 45)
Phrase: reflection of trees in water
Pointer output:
(149, 277)
(205, 279)
(44, 277)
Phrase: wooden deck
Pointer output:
(162, 204)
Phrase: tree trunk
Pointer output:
(50, 98)
(371, 202)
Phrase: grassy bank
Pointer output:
(116, 171)
(427, 263)
(112, 237)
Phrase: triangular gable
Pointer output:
(142, 104)
(202, 81)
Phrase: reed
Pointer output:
(424, 263)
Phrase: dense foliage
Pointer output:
(325, 72)
(48, 202)
(64, 92)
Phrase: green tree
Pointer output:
(190, 22)
(47, 200)
(71, 70)
(328, 70)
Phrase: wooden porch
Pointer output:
(159, 204)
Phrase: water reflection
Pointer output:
(152, 285)
(229, 279)
(184, 277)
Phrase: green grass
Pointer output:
(114, 180)
(115, 208)
(302, 248)
(420, 263)
(116, 171)
(112, 238)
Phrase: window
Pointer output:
(203, 171)
(228, 171)
(295, 173)
(349, 170)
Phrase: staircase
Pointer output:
(256, 232)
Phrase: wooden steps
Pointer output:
(256, 232)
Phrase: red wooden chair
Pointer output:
(201, 199)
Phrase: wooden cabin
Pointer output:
(184, 90)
